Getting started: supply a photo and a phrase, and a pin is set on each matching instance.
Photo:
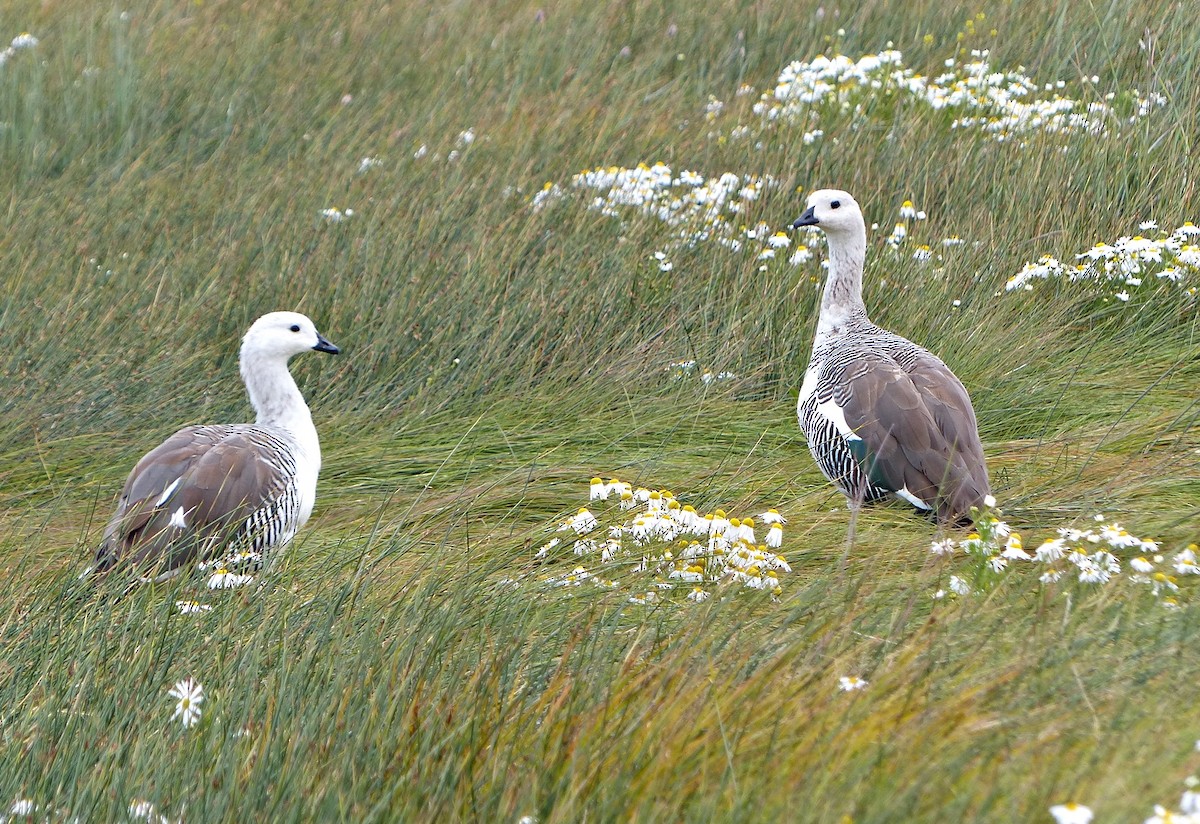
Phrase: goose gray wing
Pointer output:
(948, 402)
(912, 434)
(187, 496)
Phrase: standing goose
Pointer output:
(215, 491)
(882, 415)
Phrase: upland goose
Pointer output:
(882, 415)
(236, 490)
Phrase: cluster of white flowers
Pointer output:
(189, 695)
(697, 208)
(671, 544)
(335, 215)
(1189, 805)
(1189, 809)
(233, 570)
(548, 194)
(1126, 264)
(22, 41)
(682, 370)
(1002, 104)
(899, 239)
(1093, 556)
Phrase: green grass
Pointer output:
(160, 201)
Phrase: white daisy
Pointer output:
(851, 683)
(1071, 813)
(190, 695)
(224, 579)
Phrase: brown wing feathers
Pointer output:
(185, 496)
(919, 431)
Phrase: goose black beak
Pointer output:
(324, 345)
(809, 218)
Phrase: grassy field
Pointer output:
(166, 167)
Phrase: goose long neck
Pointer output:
(842, 298)
(277, 400)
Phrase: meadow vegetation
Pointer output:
(168, 169)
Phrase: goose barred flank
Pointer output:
(882, 416)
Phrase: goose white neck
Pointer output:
(277, 400)
(842, 298)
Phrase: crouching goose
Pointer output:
(882, 415)
(236, 490)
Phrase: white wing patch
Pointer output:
(177, 519)
(834, 414)
(162, 499)
(903, 492)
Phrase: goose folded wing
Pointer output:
(185, 497)
(905, 448)
(948, 402)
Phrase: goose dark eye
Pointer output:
(295, 327)
(836, 204)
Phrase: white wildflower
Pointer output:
(775, 536)
(943, 547)
(582, 522)
(1140, 564)
(1071, 813)
(851, 683)
(190, 695)
(1050, 550)
(224, 579)
(800, 256)
(1185, 563)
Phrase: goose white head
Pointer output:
(271, 340)
(833, 211)
(279, 335)
(837, 214)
